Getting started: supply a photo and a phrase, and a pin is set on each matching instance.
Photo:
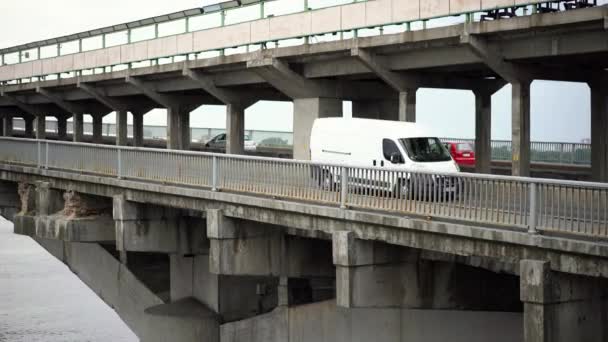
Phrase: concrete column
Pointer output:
(78, 127)
(378, 110)
(599, 133)
(561, 307)
(305, 113)
(483, 132)
(97, 129)
(62, 127)
(40, 123)
(121, 128)
(178, 129)
(29, 127)
(49, 200)
(235, 129)
(138, 129)
(8, 126)
(2, 126)
(407, 105)
(521, 128)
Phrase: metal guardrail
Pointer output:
(541, 151)
(533, 205)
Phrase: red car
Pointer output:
(463, 153)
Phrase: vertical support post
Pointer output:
(235, 129)
(599, 135)
(97, 129)
(306, 111)
(483, 131)
(178, 129)
(121, 128)
(8, 126)
(29, 127)
(39, 148)
(119, 163)
(533, 217)
(62, 127)
(407, 105)
(138, 129)
(521, 128)
(78, 127)
(40, 127)
(46, 154)
(343, 186)
(214, 174)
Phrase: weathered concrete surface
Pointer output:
(506, 247)
(241, 247)
(88, 229)
(562, 307)
(324, 322)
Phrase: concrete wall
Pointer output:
(323, 322)
(333, 19)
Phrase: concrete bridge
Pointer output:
(190, 246)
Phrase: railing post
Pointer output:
(119, 171)
(561, 153)
(532, 219)
(39, 154)
(214, 174)
(343, 187)
(573, 154)
(46, 162)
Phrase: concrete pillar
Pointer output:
(305, 113)
(40, 123)
(49, 200)
(29, 127)
(97, 129)
(521, 128)
(2, 126)
(178, 129)
(138, 129)
(407, 105)
(561, 307)
(8, 126)
(62, 127)
(599, 133)
(121, 128)
(235, 129)
(483, 132)
(77, 127)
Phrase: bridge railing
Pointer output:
(574, 208)
(198, 33)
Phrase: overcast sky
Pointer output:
(560, 111)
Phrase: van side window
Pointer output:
(389, 148)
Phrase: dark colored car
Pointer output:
(462, 153)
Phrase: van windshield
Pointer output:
(425, 149)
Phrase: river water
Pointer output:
(41, 300)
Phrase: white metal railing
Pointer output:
(576, 208)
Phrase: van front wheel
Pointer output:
(402, 189)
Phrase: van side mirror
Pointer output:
(396, 158)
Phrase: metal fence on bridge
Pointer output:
(575, 208)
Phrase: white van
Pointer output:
(390, 145)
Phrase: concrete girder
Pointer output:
(107, 101)
(206, 82)
(494, 60)
(60, 102)
(397, 81)
(150, 91)
(280, 76)
(27, 109)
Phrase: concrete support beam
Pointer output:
(29, 126)
(40, 123)
(138, 129)
(280, 76)
(208, 85)
(149, 228)
(305, 113)
(97, 129)
(247, 248)
(62, 127)
(7, 127)
(121, 128)
(561, 307)
(483, 131)
(111, 103)
(599, 132)
(178, 128)
(78, 127)
(60, 102)
(521, 128)
(149, 90)
(508, 71)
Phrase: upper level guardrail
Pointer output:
(542, 152)
(534, 205)
(195, 34)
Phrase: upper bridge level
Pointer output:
(375, 53)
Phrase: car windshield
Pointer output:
(425, 149)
